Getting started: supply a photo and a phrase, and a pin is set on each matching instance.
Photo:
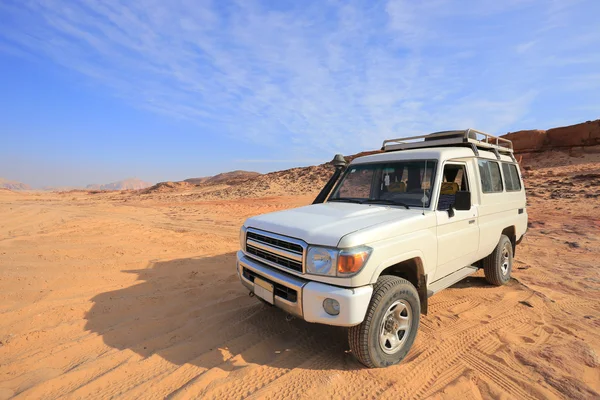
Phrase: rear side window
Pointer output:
(491, 180)
(511, 177)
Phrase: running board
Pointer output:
(450, 280)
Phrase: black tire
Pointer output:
(498, 265)
(364, 339)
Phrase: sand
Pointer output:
(124, 295)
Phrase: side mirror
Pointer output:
(462, 201)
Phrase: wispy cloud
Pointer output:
(313, 78)
(524, 47)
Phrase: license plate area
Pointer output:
(264, 290)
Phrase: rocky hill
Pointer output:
(131, 183)
(13, 185)
(293, 181)
(168, 187)
(578, 137)
(244, 184)
(288, 182)
(229, 178)
(564, 145)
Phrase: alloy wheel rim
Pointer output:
(505, 261)
(395, 327)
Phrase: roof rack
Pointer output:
(467, 137)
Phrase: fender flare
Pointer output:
(421, 275)
(398, 259)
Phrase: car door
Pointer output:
(457, 234)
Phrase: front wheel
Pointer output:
(498, 265)
(390, 325)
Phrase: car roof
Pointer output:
(430, 153)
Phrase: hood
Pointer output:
(325, 224)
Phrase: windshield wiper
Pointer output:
(347, 199)
(384, 201)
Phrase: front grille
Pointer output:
(293, 247)
(284, 262)
(275, 250)
(279, 290)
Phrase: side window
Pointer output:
(454, 179)
(511, 177)
(491, 180)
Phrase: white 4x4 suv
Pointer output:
(387, 232)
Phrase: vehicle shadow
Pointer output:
(479, 281)
(194, 310)
(472, 282)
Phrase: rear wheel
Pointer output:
(498, 265)
(390, 326)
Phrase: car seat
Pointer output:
(447, 195)
(449, 188)
(397, 187)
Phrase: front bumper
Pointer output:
(303, 298)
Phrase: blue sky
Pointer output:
(94, 91)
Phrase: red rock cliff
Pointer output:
(566, 137)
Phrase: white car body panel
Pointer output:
(326, 224)
(353, 304)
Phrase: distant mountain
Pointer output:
(60, 188)
(131, 183)
(13, 185)
(226, 178)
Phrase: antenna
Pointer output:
(422, 185)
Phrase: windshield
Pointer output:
(404, 183)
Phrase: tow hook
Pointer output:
(251, 294)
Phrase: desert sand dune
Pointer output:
(134, 295)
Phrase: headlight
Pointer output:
(335, 262)
(351, 261)
(243, 238)
(321, 261)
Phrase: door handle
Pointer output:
(471, 221)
